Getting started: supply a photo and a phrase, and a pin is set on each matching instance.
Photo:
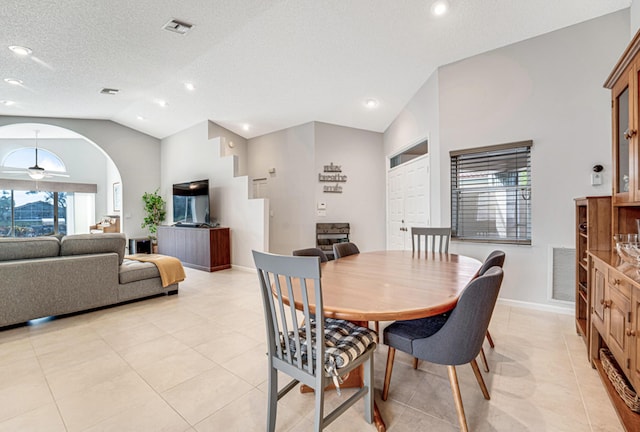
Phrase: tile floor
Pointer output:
(195, 362)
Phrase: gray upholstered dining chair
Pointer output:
(451, 339)
(311, 252)
(495, 258)
(341, 250)
(296, 351)
(435, 239)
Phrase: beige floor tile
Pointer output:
(226, 345)
(73, 353)
(122, 339)
(152, 415)
(251, 365)
(248, 414)
(204, 394)
(43, 419)
(151, 351)
(85, 409)
(170, 371)
(29, 393)
(83, 376)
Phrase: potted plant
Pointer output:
(154, 206)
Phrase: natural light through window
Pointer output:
(26, 157)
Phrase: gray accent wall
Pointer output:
(298, 155)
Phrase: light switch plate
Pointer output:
(596, 179)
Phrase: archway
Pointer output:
(86, 164)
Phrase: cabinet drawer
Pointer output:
(616, 280)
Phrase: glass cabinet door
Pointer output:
(622, 128)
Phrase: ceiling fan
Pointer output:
(36, 172)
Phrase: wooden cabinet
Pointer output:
(200, 248)
(623, 83)
(615, 323)
(593, 232)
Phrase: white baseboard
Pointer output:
(243, 268)
(565, 310)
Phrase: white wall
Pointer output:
(194, 154)
(548, 89)
(362, 201)
(290, 189)
(634, 19)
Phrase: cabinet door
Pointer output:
(623, 127)
(634, 340)
(619, 322)
(598, 292)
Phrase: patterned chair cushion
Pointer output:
(344, 342)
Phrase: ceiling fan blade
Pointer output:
(14, 172)
(49, 174)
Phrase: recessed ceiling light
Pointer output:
(189, 86)
(371, 103)
(12, 81)
(177, 26)
(7, 102)
(245, 126)
(439, 7)
(162, 103)
(20, 50)
(140, 118)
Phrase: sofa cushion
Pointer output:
(83, 244)
(132, 271)
(12, 248)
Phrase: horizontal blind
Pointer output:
(491, 194)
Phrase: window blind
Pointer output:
(491, 193)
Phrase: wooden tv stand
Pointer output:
(206, 249)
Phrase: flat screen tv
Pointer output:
(191, 202)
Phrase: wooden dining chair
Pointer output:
(450, 339)
(435, 239)
(296, 351)
(341, 250)
(495, 258)
(311, 252)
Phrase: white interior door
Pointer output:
(408, 201)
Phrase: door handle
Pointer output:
(630, 133)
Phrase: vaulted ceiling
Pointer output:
(256, 65)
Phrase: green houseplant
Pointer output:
(154, 206)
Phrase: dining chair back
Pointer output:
(341, 250)
(495, 258)
(311, 252)
(296, 351)
(450, 339)
(435, 239)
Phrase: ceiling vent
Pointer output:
(177, 26)
(109, 91)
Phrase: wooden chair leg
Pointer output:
(376, 326)
(387, 373)
(476, 372)
(415, 362)
(484, 360)
(491, 344)
(457, 398)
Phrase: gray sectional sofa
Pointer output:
(45, 276)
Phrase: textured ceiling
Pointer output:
(270, 64)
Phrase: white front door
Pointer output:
(407, 201)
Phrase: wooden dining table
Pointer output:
(393, 285)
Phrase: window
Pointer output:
(491, 193)
(26, 157)
(32, 209)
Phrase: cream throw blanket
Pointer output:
(170, 268)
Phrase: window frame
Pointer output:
(486, 162)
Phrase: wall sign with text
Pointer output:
(332, 174)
